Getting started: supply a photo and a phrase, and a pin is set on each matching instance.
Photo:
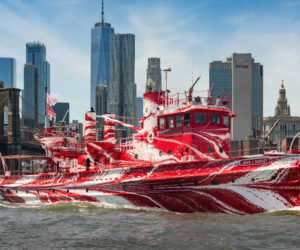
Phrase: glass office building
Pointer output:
(36, 55)
(100, 59)
(8, 72)
(8, 77)
(241, 78)
(122, 85)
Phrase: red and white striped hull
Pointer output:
(240, 186)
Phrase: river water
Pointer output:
(86, 225)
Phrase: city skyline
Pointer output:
(186, 36)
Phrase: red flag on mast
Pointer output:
(50, 111)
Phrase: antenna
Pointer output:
(102, 13)
(166, 70)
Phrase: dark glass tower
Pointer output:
(36, 55)
(100, 59)
(122, 86)
(8, 72)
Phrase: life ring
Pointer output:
(150, 137)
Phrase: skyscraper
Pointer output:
(8, 72)
(242, 79)
(61, 109)
(8, 77)
(139, 108)
(36, 55)
(100, 59)
(153, 81)
(30, 95)
(122, 85)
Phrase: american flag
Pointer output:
(51, 100)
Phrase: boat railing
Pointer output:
(179, 100)
(53, 132)
(25, 165)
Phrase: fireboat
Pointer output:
(177, 160)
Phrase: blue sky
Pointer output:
(186, 35)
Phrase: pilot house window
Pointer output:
(162, 123)
(178, 120)
(200, 117)
(170, 122)
(215, 118)
(187, 119)
(225, 120)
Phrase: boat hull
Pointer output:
(239, 186)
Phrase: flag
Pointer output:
(51, 100)
(50, 111)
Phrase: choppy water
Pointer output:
(85, 225)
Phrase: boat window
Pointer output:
(225, 120)
(162, 123)
(187, 119)
(200, 117)
(178, 120)
(215, 118)
(170, 122)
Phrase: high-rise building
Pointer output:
(36, 55)
(77, 127)
(1, 84)
(100, 58)
(101, 99)
(153, 81)
(287, 127)
(241, 78)
(122, 85)
(8, 77)
(62, 109)
(101, 109)
(139, 107)
(30, 99)
(8, 72)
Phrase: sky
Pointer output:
(186, 35)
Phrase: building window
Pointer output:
(187, 119)
(162, 123)
(225, 120)
(170, 122)
(215, 118)
(178, 121)
(200, 117)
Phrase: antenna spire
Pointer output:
(102, 13)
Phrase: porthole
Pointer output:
(186, 150)
(179, 184)
(108, 159)
(151, 186)
(67, 190)
(160, 153)
(252, 179)
(38, 191)
(221, 150)
(196, 183)
(16, 191)
(209, 150)
(125, 188)
(136, 156)
(273, 177)
(26, 191)
(233, 181)
(169, 151)
(86, 190)
(53, 190)
(214, 182)
(83, 162)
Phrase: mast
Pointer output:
(102, 13)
